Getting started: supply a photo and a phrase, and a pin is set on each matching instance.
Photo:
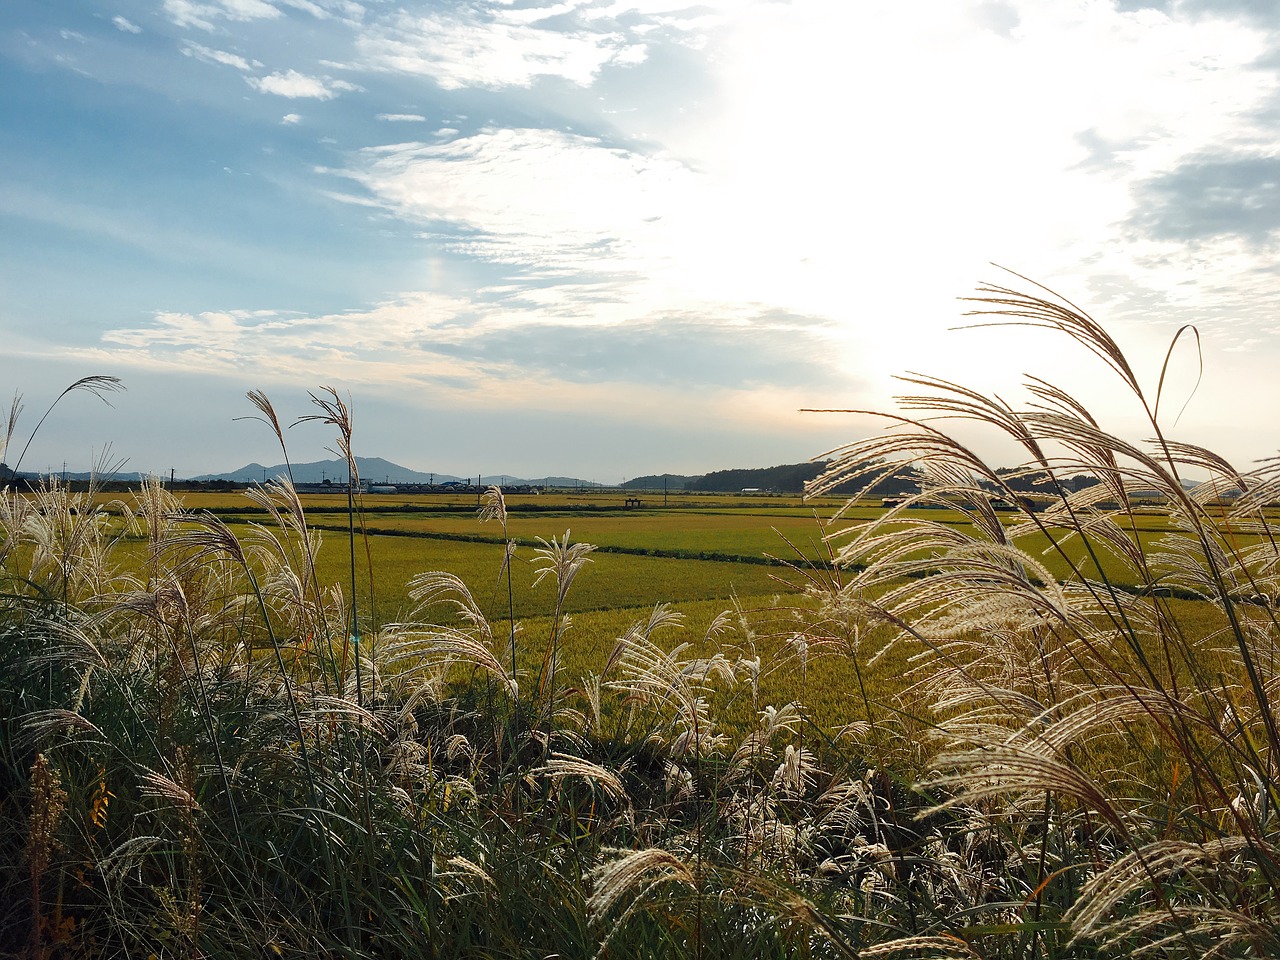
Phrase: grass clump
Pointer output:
(208, 749)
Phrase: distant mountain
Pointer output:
(376, 470)
(660, 481)
(373, 469)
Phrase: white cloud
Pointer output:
(296, 85)
(491, 47)
(122, 24)
(201, 15)
(402, 117)
(185, 13)
(292, 84)
(209, 55)
(290, 119)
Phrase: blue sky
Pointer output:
(609, 237)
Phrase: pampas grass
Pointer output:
(1040, 685)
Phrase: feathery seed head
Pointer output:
(494, 506)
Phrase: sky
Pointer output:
(605, 238)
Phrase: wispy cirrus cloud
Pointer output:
(493, 45)
(202, 15)
(480, 353)
(125, 25)
(539, 198)
(220, 57)
(349, 10)
(228, 342)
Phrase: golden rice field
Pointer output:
(705, 554)
(752, 555)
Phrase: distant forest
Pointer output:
(791, 478)
(785, 478)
